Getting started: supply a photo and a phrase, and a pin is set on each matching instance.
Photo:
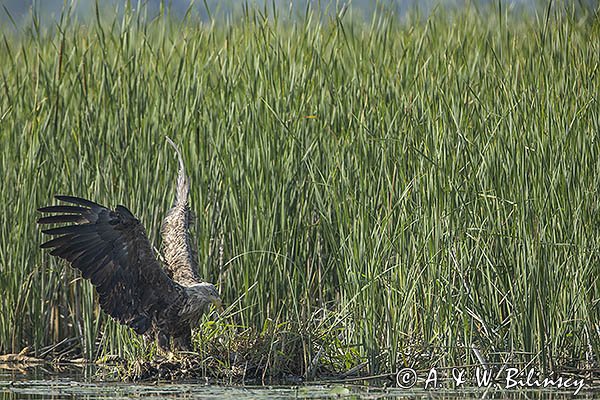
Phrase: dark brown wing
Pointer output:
(111, 249)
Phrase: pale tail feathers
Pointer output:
(183, 185)
(178, 249)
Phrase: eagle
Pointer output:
(111, 249)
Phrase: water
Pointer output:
(87, 383)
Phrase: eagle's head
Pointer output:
(206, 294)
(200, 298)
(212, 294)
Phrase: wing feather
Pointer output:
(78, 200)
(65, 209)
(57, 241)
(56, 219)
(111, 249)
(181, 260)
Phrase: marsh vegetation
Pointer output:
(369, 194)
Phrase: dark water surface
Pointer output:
(85, 383)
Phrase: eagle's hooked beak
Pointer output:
(217, 304)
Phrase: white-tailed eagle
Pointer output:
(111, 249)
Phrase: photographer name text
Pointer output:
(509, 378)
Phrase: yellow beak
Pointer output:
(217, 304)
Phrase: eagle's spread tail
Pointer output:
(180, 255)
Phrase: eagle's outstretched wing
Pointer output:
(181, 260)
(111, 249)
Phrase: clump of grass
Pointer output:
(407, 190)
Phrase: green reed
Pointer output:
(396, 193)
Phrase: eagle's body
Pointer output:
(111, 249)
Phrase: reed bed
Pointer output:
(369, 194)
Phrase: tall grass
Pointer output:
(396, 192)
